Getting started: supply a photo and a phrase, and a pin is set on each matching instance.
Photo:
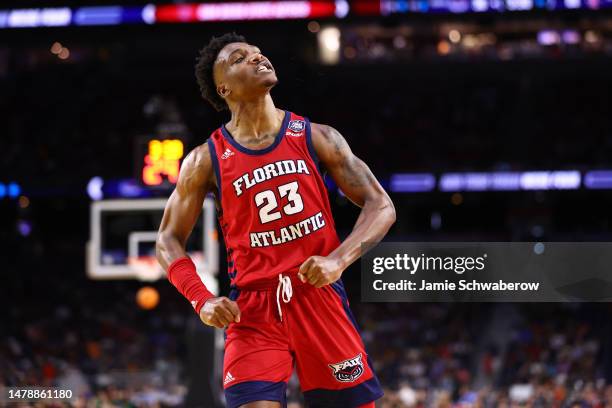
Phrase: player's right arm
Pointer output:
(183, 208)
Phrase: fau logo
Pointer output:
(296, 127)
(348, 370)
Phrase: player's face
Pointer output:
(243, 72)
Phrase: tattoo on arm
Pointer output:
(359, 185)
(357, 174)
(351, 174)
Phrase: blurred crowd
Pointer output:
(62, 330)
(502, 355)
(110, 354)
(106, 354)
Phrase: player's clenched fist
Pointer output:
(220, 312)
(320, 271)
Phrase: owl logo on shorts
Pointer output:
(348, 370)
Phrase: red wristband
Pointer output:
(182, 274)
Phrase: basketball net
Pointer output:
(146, 267)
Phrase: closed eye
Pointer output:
(238, 60)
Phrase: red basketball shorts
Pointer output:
(316, 334)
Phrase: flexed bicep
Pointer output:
(358, 183)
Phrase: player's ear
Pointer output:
(219, 80)
(223, 91)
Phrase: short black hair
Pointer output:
(204, 68)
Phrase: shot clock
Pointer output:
(158, 161)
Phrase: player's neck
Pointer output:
(257, 119)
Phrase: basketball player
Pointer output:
(287, 305)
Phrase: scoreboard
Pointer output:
(158, 161)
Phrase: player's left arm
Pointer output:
(358, 183)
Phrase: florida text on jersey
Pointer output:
(275, 211)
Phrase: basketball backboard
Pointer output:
(122, 241)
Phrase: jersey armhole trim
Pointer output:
(215, 163)
(311, 149)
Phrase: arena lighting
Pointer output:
(598, 179)
(244, 11)
(590, 36)
(329, 45)
(519, 5)
(46, 17)
(566, 180)
(148, 14)
(24, 202)
(10, 190)
(476, 182)
(260, 10)
(314, 27)
(14, 190)
(253, 11)
(342, 8)
(550, 180)
(570, 36)
(56, 17)
(535, 180)
(454, 36)
(510, 181)
(466, 181)
(56, 47)
(548, 37)
(269, 10)
(572, 4)
(134, 15)
(24, 227)
(64, 54)
(130, 189)
(480, 5)
(392, 7)
(387, 7)
(451, 182)
(505, 181)
(99, 189)
(368, 8)
(98, 15)
(459, 6)
(172, 13)
(94, 188)
(330, 38)
(411, 183)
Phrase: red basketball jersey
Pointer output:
(274, 212)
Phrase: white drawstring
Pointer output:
(284, 291)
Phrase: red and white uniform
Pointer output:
(275, 211)
(274, 214)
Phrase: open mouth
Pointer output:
(264, 66)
